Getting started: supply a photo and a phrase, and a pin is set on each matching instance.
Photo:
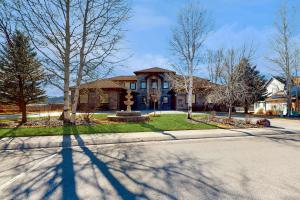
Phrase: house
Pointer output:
(151, 88)
(276, 96)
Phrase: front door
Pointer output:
(173, 102)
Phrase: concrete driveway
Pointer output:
(235, 168)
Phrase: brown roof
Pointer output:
(154, 70)
(102, 84)
(123, 78)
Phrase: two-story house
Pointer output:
(276, 96)
(150, 88)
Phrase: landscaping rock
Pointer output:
(263, 122)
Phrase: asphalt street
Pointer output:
(231, 168)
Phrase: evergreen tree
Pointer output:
(252, 83)
(21, 74)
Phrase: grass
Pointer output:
(166, 122)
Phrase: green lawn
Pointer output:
(162, 123)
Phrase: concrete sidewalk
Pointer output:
(97, 139)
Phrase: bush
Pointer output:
(260, 111)
(272, 112)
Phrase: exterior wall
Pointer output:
(145, 93)
(113, 97)
(94, 100)
(280, 107)
(259, 105)
(182, 103)
(274, 86)
(117, 96)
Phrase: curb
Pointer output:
(123, 138)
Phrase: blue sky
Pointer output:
(235, 22)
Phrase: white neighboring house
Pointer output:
(275, 99)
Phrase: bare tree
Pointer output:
(214, 64)
(101, 31)
(188, 36)
(231, 88)
(77, 39)
(285, 53)
(48, 24)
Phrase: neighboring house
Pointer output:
(146, 86)
(276, 96)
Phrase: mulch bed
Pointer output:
(227, 123)
(39, 123)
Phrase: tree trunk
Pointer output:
(67, 66)
(289, 100)
(81, 64)
(74, 105)
(190, 94)
(24, 112)
(297, 99)
(230, 112)
(246, 109)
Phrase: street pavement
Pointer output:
(265, 167)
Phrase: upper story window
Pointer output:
(143, 85)
(127, 85)
(166, 85)
(154, 84)
(132, 86)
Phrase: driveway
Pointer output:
(235, 168)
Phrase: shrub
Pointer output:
(260, 111)
(271, 112)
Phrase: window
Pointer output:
(154, 84)
(104, 98)
(143, 85)
(143, 100)
(132, 86)
(127, 85)
(193, 98)
(165, 99)
(165, 85)
(180, 102)
(83, 98)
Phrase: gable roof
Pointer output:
(102, 84)
(280, 79)
(154, 70)
(123, 78)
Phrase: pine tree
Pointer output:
(253, 84)
(21, 74)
